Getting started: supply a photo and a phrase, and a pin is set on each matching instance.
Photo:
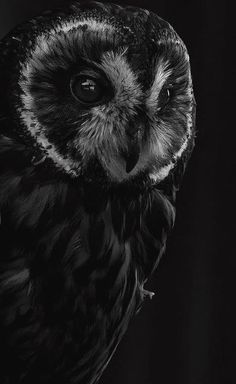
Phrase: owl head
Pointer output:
(101, 89)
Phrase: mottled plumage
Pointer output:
(87, 188)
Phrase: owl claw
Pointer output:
(147, 293)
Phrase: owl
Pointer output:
(96, 128)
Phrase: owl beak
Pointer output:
(132, 153)
(131, 158)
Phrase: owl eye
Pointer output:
(164, 97)
(89, 89)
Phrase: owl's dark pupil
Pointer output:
(88, 85)
(86, 90)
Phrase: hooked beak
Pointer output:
(132, 153)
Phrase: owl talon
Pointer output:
(147, 293)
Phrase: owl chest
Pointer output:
(61, 261)
(63, 258)
(72, 277)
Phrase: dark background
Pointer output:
(186, 335)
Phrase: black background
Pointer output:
(186, 334)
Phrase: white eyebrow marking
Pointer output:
(123, 78)
(162, 74)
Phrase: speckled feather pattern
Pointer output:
(79, 236)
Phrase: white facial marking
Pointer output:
(94, 25)
(162, 141)
(163, 172)
(36, 130)
(163, 137)
(34, 63)
(162, 74)
(128, 90)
